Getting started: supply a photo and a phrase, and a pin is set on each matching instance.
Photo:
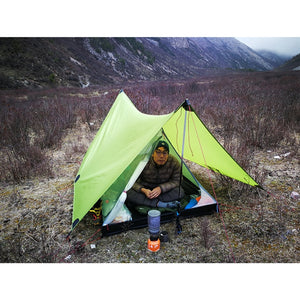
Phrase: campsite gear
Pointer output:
(164, 236)
(153, 228)
(96, 214)
(153, 246)
(154, 223)
(193, 202)
(178, 225)
(126, 138)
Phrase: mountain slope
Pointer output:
(291, 65)
(41, 62)
(35, 62)
(275, 59)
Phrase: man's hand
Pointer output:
(155, 192)
(146, 192)
(151, 194)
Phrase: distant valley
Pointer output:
(82, 62)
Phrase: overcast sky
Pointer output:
(280, 45)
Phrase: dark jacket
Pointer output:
(153, 175)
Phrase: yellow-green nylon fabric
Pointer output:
(122, 136)
(126, 132)
(111, 195)
(201, 147)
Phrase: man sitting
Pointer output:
(158, 184)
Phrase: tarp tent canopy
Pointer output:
(125, 142)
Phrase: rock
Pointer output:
(282, 155)
(295, 195)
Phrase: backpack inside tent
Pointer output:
(121, 149)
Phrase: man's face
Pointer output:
(160, 156)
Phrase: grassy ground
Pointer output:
(253, 227)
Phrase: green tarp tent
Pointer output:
(123, 145)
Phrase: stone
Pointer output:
(295, 195)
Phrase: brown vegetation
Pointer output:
(45, 133)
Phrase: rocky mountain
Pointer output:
(273, 58)
(36, 62)
(291, 65)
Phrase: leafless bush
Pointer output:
(28, 128)
(87, 112)
(246, 110)
(18, 166)
(50, 119)
(20, 157)
(14, 128)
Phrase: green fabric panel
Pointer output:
(122, 136)
(208, 152)
(111, 196)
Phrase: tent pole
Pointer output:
(184, 130)
(178, 225)
(183, 139)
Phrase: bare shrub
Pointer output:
(49, 121)
(15, 127)
(17, 166)
(28, 128)
(20, 158)
(87, 112)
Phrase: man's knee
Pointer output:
(138, 198)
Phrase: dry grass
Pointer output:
(261, 228)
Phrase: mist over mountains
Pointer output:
(42, 62)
